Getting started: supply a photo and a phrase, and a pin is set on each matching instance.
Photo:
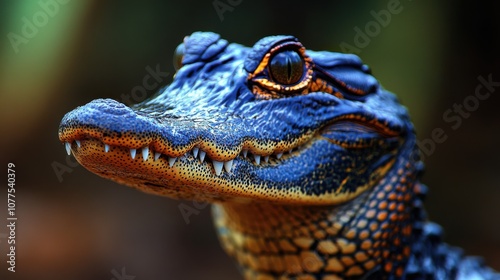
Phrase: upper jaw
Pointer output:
(104, 126)
(116, 125)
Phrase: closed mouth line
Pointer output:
(195, 152)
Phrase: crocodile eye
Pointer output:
(178, 55)
(286, 67)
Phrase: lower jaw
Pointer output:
(189, 178)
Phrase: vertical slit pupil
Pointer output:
(289, 66)
(286, 67)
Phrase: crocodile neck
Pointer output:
(367, 235)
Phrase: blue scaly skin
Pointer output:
(311, 166)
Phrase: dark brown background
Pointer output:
(83, 227)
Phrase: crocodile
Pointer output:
(310, 165)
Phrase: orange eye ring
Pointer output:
(278, 72)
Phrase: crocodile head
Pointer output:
(326, 155)
(274, 122)
(312, 166)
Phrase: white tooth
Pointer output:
(278, 156)
(217, 167)
(202, 155)
(228, 165)
(245, 152)
(145, 153)
(171, 161)
(78, 143)
(257, 159)
(133, 152)
(266, 158)
(195, 152)
(106, 148)
(67, 145)
(291, 151)
(157, 156)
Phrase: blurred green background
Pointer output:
(57, 55)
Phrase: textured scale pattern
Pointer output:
(311, 165)
(321, 243)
